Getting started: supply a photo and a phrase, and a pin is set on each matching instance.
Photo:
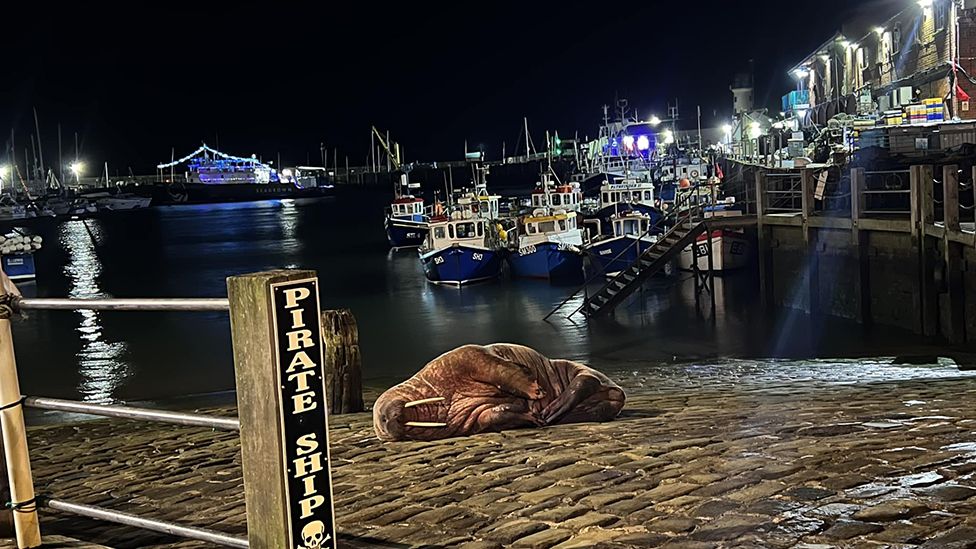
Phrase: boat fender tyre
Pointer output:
(694, 174)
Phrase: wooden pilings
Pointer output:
(923, 251)
(343, 365)
(765, 251)
(859, 240)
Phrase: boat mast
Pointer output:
(40, 149)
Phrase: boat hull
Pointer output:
(19, 266)
(403, 233)
(616, 254)
(730, 250)
(548, 260)
(461, 265)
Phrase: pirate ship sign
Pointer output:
(304, 423)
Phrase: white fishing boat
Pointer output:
(10, 209)
(731, 249)
(118, 202)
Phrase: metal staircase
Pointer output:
(647, 265)
(682, 226)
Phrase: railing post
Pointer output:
(15, 451)
(281, 397)
(810, 239)
(952, 250)
(923, 215)
(765, 252)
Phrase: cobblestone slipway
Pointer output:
(731, 455)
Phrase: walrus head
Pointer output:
(388, 418)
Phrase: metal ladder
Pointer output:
(647, 265)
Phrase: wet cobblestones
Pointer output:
(736, 461)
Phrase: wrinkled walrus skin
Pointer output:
(476, 389)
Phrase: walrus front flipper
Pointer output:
(579, 389)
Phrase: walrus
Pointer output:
(475, 389)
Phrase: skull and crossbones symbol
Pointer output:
(314, 536)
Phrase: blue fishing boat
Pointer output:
(406, 223)
(549, 246)
(406, 220)
(630, 238)
(550, 240)
(463, 251)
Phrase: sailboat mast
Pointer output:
(40, 148)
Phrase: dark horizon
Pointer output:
(283, 80)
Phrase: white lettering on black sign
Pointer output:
(304, 421)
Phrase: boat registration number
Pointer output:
(527, 250)
(438, 260)
(477, 257)
(411, 235)
(15, 261)
(606, 252)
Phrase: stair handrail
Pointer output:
(639, 258)
(675, 213)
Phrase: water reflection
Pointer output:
(100, 363)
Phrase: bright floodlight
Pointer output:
(879, 30)
(643, 143)
(727, 129)
(655, 121)
(801, 73)
(76, 168)
(628, 142)
(755, 130)
(845, 44)
(668, 137)
(4, 170)
(925, 3)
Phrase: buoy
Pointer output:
(684, 183)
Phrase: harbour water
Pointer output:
(188, 251)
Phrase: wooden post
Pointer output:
(15, 451)
(765, 252)
(807, 187)
(343, 364)
(923, 215)
(859, 240)
(950, 198)
(281, 400)
(955, 332)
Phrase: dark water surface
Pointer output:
(188, 251)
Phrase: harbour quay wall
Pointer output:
(894, 247)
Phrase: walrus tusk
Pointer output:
(422, 401)
(424, 424)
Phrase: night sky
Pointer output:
(269, 79)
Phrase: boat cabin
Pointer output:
(563, 196)
(483, 206)
(631, 225)
(628, 191)
(408, 207)
(460, 231)
(548, 224)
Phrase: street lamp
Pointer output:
(76, 169)
(654, 121)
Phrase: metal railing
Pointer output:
(25, 501)
(782, 193)
(887, 192)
